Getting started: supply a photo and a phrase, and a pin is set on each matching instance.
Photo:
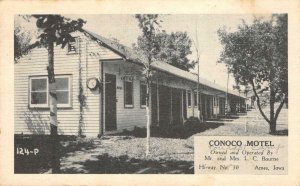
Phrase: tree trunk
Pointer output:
(258, 101)
(53, 110)
(272, 112)
(148, 115)
(52, 90)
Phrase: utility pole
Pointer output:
(226, 102)
(198, 82)
(245, 93)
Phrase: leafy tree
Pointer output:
(171, 48)
(21, 41)
(22, 38)
(257, 55)
(149, 24)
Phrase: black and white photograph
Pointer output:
(128, 93)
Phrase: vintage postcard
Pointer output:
(99, 95)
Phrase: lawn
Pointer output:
(125, 154)
(171, 152)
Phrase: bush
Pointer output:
(190, 127)
(178, 131)
(192, 122)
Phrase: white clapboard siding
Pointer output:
(36, 121)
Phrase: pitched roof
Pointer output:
(132, 55)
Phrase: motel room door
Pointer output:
(164, 106)
(204, 106)
(176, 106)
(209, 107)
(110, 102)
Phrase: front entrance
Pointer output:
(110, 102)
(176, 106)
(206, 106)
(209, 106)
(222, 106)
(164, 106)
(203, 106)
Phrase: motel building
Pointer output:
(101, 90)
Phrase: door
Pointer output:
(204, 106)
(176, 106)
(184, 105)
(222, 106)
(164, 106)
(209, 107)
(110, 102)
(154, 104)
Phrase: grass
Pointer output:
(171, 151)
(111, 154)
(125, 165)
(41, 162)
(124, 154)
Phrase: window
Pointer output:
(195, 100)
(189, 99)
(63, 91)
(72, 47)
(39, 91)
(128, 93)
(143, 93)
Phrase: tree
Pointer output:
(257, 55)
(55, 29)
(21, 41)
(22, 38)
(149, 24)
(170, 48)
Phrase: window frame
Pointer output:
(76, 45)
(69, 104)
(142, 83)
(46, 105)
(128, 105)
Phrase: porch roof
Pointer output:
(131, 55)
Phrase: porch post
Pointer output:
(157, 100)
(193, 102)
(198, 109)
(205, 106)
(171, 115)
(182, 110)
(103, 103)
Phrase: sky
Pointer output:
(124, 27)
